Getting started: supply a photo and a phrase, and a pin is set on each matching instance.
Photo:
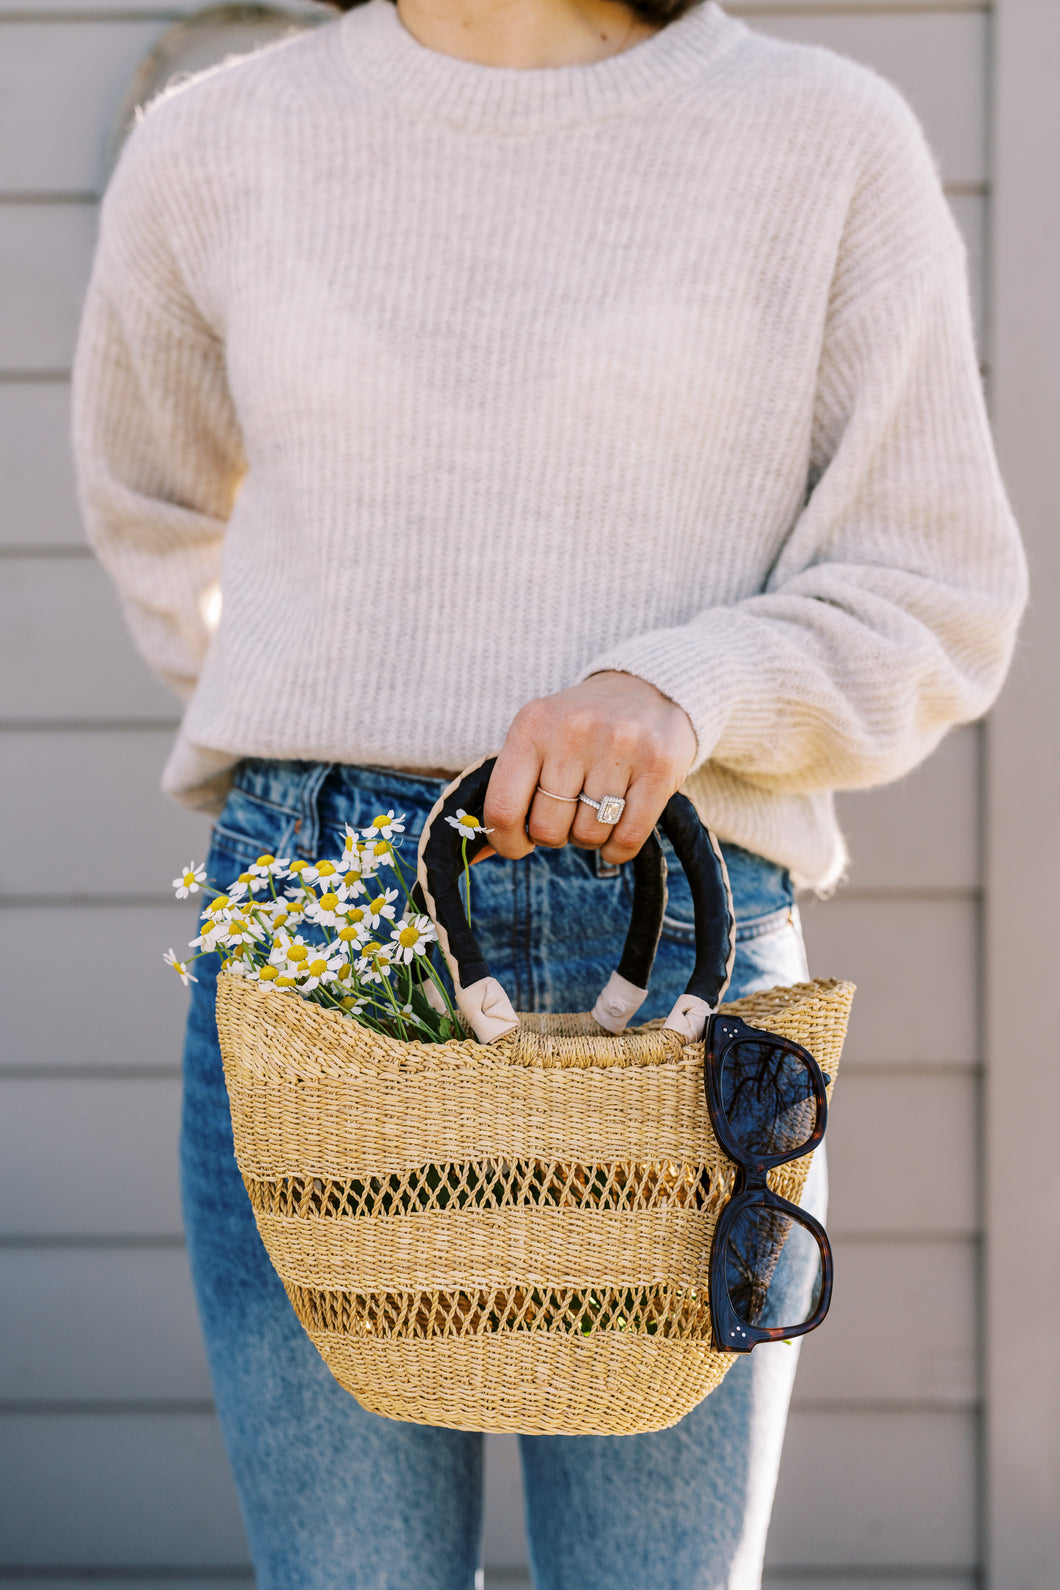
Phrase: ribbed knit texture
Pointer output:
(467, 382)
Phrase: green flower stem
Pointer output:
(398, 1017)
(437, 981)
(467, 881)
(396, 868)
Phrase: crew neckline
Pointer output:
(429, 85)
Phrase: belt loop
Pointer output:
(605, 869)
(307, 828)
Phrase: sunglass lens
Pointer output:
(768, 1097)
(774, 1268)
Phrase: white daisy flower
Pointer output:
(214, 933)
(319, 970)
(252, 880)
(190, 881)
(267, 866)
(287, 950)
(353, 1006)
(412, 936)
(377, 853)
(243, 930)
(302, 871)
(240, 967)
(180, 967)
(352, 848)
(385, 827)
(381, 906)
(375, 962)
(355, 925)
(466, 825)
(330, 908)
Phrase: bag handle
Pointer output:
(481, 998)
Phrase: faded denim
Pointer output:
(335, 1498)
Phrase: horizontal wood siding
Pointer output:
(104, 1393)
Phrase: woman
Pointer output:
(592, 383)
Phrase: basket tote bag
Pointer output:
(511, 1231)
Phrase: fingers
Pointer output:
(510, 794)
(645, 799)
(552, 818)
(613, 734)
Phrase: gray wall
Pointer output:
(930, 1461)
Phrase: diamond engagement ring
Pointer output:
(608, 808)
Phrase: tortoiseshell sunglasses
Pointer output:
(767, 1101)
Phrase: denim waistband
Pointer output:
(318, 796)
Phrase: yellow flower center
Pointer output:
(469, 822)
(265, 861)
(380, 822)
(409, 937)
(346, 972)
(268, 973)
(347, 933)
(329, 901)
(325, 869)
(351, 878)
(377, 904)
(372, 948)
(189, 878)
(297, 952)
(246, 877)
(317, 968)
(285, 982)
(218, 904)
(179, 967)
(348, 1003)
(381, 847)
(279, 919)
(299, 865)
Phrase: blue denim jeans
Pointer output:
(334, 1497)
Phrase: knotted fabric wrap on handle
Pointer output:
(483, 1001)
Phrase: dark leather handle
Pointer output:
(442, 856)
(708, 878)
(441, 866)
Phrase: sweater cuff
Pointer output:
(699, 675)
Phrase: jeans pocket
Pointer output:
(770, 953)
(249, 827)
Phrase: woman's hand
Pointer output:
(613, 734)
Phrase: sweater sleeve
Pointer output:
(157, 445)
(890, 614)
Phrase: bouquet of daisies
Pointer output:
(346, 933)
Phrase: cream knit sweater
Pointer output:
(467, 382)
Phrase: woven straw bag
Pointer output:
(510, 1235)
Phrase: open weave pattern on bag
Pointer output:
(552, 1193)
(494, 1184)
(670, 1312)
